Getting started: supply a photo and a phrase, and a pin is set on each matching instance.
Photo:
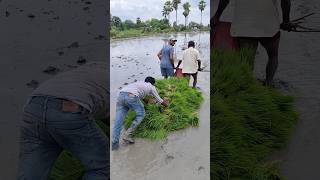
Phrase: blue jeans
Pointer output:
(167, 72)
(125, 102)
(46, 130)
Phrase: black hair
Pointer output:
(150, 80)
(191, 44)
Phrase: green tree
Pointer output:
(202, 6)
(116, 21)
(194, 25)
(186, 12)
(128, 24)
(138, 21)
(175, 5)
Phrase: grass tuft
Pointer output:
(181, 113)
(248, 121)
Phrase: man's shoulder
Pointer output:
(150, 85)
(193, 50)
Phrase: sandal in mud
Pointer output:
(128, 136)
(128, 140)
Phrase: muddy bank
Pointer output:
(38, 40)
(184, 154)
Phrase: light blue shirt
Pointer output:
(165, 56)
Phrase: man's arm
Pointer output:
(286, 24)
(159, 54)
(286, 7)
(171, 57)
(179, 63)
(221, 7)
(199, 61)
(158, 98)
(199, 65)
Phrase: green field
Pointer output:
(249, 121)
(130, 33)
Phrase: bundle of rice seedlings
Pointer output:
(248, 121)
(181, 113)
(68, 167)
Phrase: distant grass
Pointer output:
(68, 167)
(116, 34)
(248, 121)
(181, 113)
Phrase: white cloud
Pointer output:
(147, 9)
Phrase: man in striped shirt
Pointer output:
(130, 98)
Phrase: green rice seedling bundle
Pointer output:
(68, 167)
(248, 120)
(181, 113)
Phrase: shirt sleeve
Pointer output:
(156, 95)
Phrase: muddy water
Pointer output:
(184, 154)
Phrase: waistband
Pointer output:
(50, 101)
(127, 93)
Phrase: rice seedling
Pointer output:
(248, 121)
(68, 167)
(181, 113)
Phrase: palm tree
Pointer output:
(175, 4)
(164, 12)
(202, 6)
(167, 9)
(186, 7)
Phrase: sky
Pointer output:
(147, 9)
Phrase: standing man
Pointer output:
(166, 57)
(258, 22)
(59, 116)
(191, 62)
(130, 98)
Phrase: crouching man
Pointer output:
(130, 98)
(59, 116)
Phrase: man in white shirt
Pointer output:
(258, 22)
(191, 62)
(130, 98)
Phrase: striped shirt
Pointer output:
(142, 90)
(87, 86)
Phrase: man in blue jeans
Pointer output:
(130, 98)
(165, 56)
(59, 116)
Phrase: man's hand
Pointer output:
(165, 102)
(200, 69)
(152, 101)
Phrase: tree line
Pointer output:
(169, 6)
(161, 24)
